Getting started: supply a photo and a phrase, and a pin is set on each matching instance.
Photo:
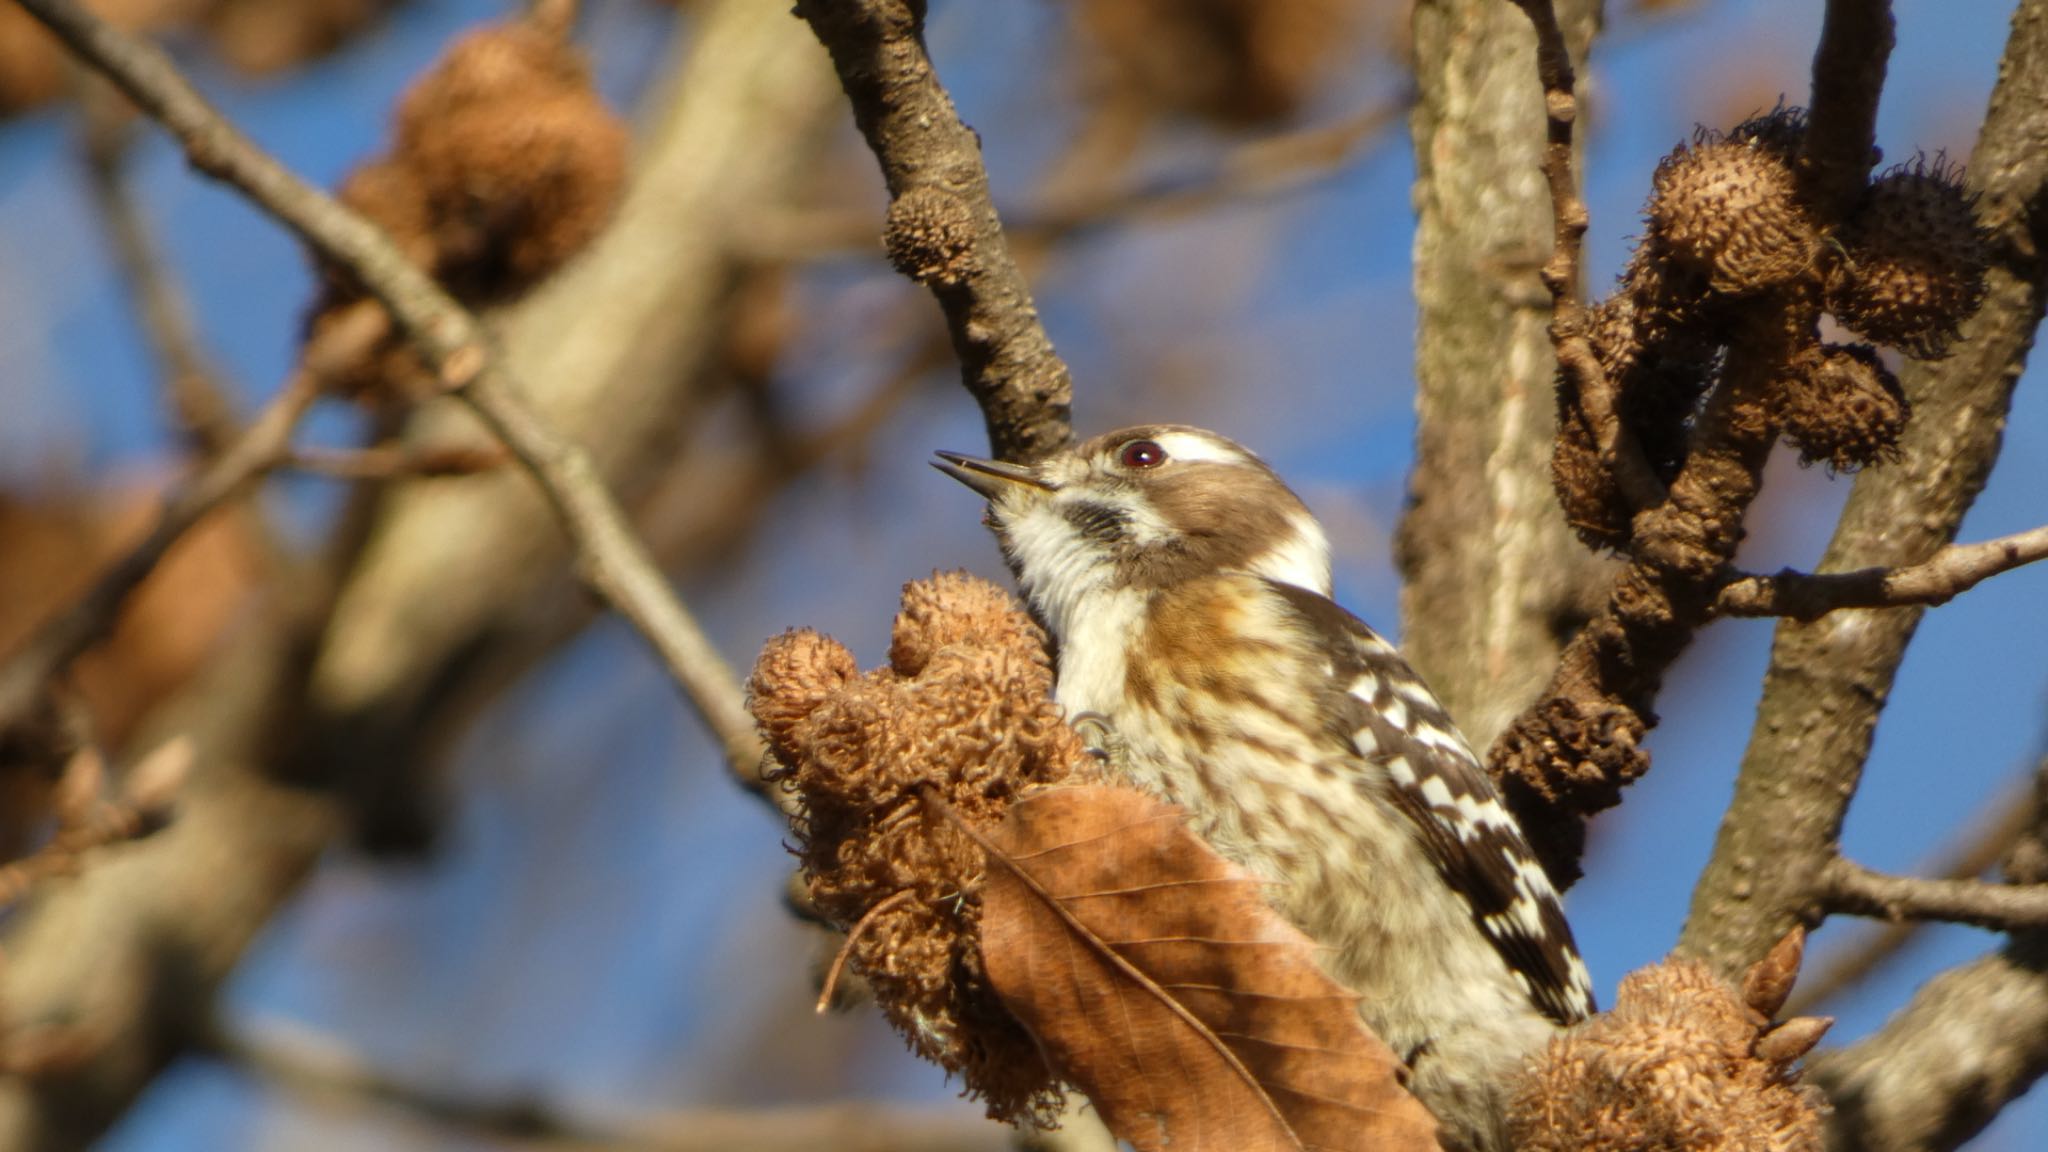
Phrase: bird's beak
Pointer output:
(991, 478)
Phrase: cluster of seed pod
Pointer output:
(505, 163)
(962, 717)
(1732, 240)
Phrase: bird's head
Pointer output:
(1143, 509)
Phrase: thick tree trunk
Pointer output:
(1493, 580)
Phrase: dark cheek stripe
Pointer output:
(1098, 522)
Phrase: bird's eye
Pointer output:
(1142, 454)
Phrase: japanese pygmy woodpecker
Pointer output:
(1187, 590)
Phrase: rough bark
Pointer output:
(1828, 680)
(1970, 1042)
(1493, 580)
(942, 229)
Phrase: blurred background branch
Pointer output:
(533, 891)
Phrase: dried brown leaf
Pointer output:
(1156, 978)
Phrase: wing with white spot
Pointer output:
(1391, 720)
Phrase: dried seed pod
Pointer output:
(389, 195)
(506, 164)
(1730, 208)
(952, 608)
(965, 715)
(490, 66)
(1914, 260)
(1675, 1067)
(1842, 407)
(1656, 339)
(1782, 130)
(930, 236)
(1592, 500)
(796, 673)
(516, 187)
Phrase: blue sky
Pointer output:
(603, 925)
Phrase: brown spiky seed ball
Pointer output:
(1915, 260)
(389, 195)
(502, 62)
(954, 609)
(796, 673)
(881, 766)
(1842, 407)
(518, 186)
(930, 236)
(1730, 208)
(1674, 1067)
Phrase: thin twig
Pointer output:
(1848, 887)
(610, 557)
(1992, 835)
(1935, 580)
(191, 382)
(845, 952)
(1619, 451)
(939, 193)
(87, 822)
(1268, 166)
(64, 637)
(390, 462)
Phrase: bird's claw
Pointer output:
(1099, 738)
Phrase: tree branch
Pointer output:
(1492, 579)
(1935, 580)
(943, 230)
(190, 383)
(2005, 819)
(1828, 680)
(1970, 1041)
(386, 461)
(1845, 886)
(611, 559)
(1619, 450)
(29, 669)
(321, 1068)
(1856, 39)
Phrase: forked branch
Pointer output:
(1935, 580)
(610, 557)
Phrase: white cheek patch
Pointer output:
(1052, 556)
(1143, 525)
(1302, 559)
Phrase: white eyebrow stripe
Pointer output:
(1182, 446)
